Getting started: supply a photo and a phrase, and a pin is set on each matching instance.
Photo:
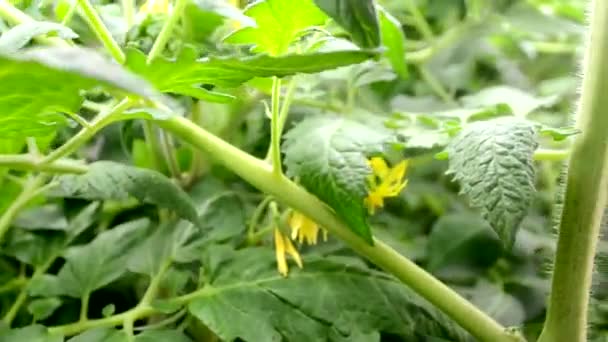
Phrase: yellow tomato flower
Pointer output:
(304, 229)
(284, 246)
(384, 182)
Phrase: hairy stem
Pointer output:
(101, 31)
(261, 175)
(27, 162)
(585, 194)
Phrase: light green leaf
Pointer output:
(43, 308)
(492, 161)
(103, 260)
(359, 18)
(162, 336)
(329, 157)
(17, 37)
(101, 335)
(277, 24)
(107, 180)
(327, 301)
(38, 84)
(187, 74)
(32, 333)
(393, 40)
(520, 102)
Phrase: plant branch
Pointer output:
(101, 31)
(28, 162)
(86, 133)
(261, 175)
(167, 30)
(585, 194)
(30, 191)
(275, 132)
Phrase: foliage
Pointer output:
(122, 217)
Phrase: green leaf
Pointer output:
(43, 308)
(186, 74)
(162, 336)
(393, 40)
(492, 161)
(461, 239)
(559, 134)
(107, 180)
(32, 333)
(48, 216)
(327, 301)
(101, 335)
(334, 167)
(17, 37)
(103, 260)
(359, 18)
(277, 24)
(520, 102)
(37, 84)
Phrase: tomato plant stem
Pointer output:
(275, 133)
(86, 133)
(261, 175)
(101, 31)
(30, 163)
(167, 30)
(128, 12)
(585, 193)
(29, 192)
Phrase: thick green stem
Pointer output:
(84, 307)
(167, 30)
(260, 174)
(585, 195)
(128, 12)
(101, 31)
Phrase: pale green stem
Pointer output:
(22, 296)
(86, 133)
(70, 14)
(84, 307)
(27, 162)
(275, 131)
(14, 16)
(283, 114)
(435, 85)
(585, 194)
(30, 191)
(167, 30)
(255, 218)
(419, 20)
(551, 155)
(152, 144)
(261, 175)
(128, 12)
(101, 31)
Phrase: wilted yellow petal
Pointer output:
(279, 245)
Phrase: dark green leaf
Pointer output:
(187, 74)
(327, 301)
(334, 167)
(359, 18)
(492, 161)
(277, 24)
(48, 216)
(101, 335)
(103, 260)
(162, 336)
(113, 181)
(393, 40)
(17, 37)
(42, 308)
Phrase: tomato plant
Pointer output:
(302, 170)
